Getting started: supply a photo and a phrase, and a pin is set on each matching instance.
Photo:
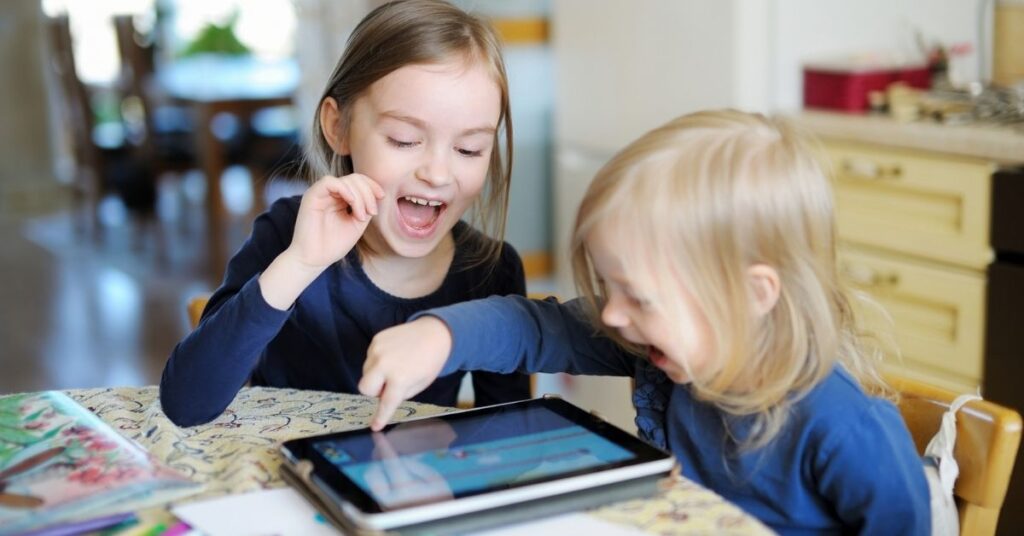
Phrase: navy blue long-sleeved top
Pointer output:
(844, 462)
(320, 342)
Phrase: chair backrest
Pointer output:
(136, 73)
(988, 436)
(136, 58)
(76, 103)
(195, 308)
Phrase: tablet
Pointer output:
(475, 461)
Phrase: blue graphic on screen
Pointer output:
(431, 460)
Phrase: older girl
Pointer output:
(406, 139)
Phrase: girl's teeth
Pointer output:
(423, 202)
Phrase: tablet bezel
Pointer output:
(365, 508)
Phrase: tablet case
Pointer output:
(299, 476)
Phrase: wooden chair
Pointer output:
(76, 112)
(195, 307)
(988, 436)
(114, 167)
(164, 132)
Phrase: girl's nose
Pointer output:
(612, 315)
(435, 170)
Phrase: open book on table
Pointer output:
(60, 463)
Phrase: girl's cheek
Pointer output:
(477, 178)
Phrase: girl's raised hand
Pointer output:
(333, 215)
(402, 361)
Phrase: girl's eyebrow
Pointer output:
(420, 124)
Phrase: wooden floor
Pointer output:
(82, 309)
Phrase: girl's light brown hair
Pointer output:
(416, 32)
(696, 203)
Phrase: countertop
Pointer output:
(1004, 145)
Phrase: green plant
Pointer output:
(217, 39)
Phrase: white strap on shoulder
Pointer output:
(940, 448)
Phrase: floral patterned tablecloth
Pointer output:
(238, 451)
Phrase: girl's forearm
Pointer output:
(208, 367)
(285, 278)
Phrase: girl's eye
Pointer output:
(467, 152)
(401, 144)
(643, 303)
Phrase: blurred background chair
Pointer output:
(105, 162)
(163, 131)
(195, 307)
(988, 436)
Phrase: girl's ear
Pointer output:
(331, 125)
(764, 281)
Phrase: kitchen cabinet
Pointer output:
(913, 229)
(935, 315)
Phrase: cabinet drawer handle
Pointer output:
(869, 277)
(861, 168)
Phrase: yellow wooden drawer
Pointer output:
(938, 314)
(923, 204)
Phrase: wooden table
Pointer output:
(238, 451)
(213, 84)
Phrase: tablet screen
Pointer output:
(463, 454)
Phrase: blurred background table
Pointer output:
(215, 85)
(238, 451)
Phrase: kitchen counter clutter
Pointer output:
(1001, 144)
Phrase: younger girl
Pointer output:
(705, 252)
(405, 140)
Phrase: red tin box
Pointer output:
(846, 88)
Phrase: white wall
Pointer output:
(623, 67)
(753, 51)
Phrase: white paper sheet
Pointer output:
(564, 525)
(279, 511)
(284, 512)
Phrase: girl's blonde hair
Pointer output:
(696, 203)
(416, 32)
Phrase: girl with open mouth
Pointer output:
(404, 142)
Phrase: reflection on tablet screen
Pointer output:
(430, 460)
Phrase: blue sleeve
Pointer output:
(208, 367)
(505, 334)
(492, 387)
(872, 475)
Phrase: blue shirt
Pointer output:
(320, 342)
(843, 462)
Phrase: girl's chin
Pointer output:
(679, 377)
(412, 249)
(663, 363)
